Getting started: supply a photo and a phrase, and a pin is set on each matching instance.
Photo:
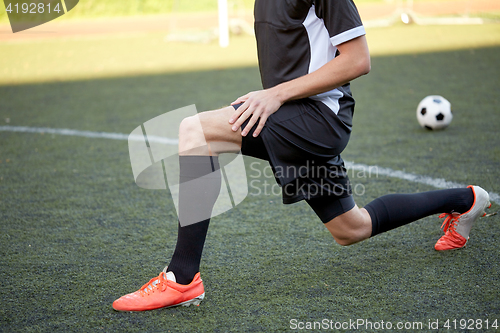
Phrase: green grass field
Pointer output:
(76, 232)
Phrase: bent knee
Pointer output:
(346, 237)
(190, 126)
(351, 227)
(346, 241)
(191, 136)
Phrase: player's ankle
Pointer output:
(181, 276)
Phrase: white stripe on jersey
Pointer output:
(348, 35)
(323, 49)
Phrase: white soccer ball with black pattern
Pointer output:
(434, 112)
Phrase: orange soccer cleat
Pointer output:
(457, 227)
(162, 292)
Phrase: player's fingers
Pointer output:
(250, 112)
(241, 99)
(241, 118)
(240, 121)
(238, 101)
(251, 123)
(262, 122)
(237, 113)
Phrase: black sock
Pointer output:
(394, 210)
(185, 262)
(199, 188)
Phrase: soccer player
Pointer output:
(309, 51)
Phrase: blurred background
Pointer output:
(151, 35)
(76, 232)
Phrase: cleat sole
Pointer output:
(452, 248)
(195, 301)
(487, 206)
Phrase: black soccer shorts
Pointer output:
(302, 141)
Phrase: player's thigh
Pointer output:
(217, 130)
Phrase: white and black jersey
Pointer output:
(297, 37)
(303, 140)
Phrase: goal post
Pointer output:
(223, 23)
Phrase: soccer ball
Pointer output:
(434, 112)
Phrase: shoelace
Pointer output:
(450, 222)
(159, 282)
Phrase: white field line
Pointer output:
(435, 182)
(86, 134)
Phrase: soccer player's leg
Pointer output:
(460, 206)
(350, 227)
(347, 223)
(201, 138)
(209, 133)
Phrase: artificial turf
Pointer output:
(76, 232)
